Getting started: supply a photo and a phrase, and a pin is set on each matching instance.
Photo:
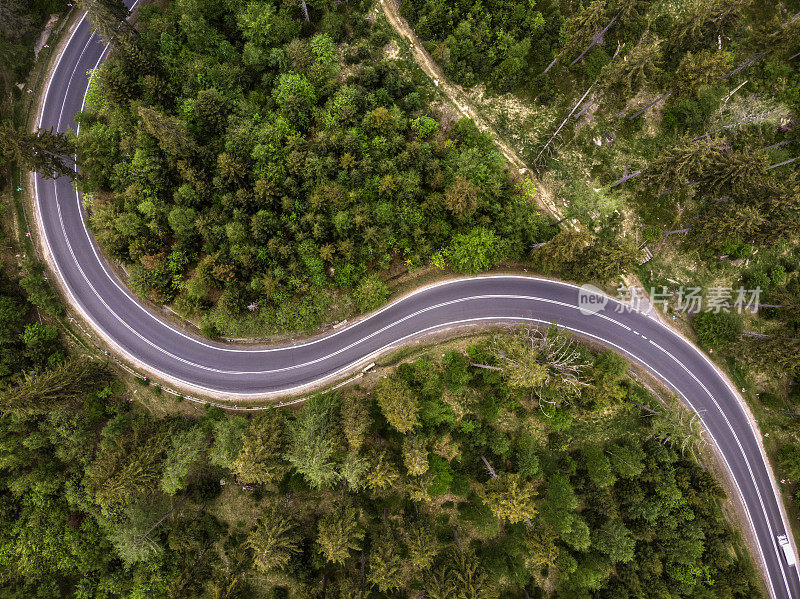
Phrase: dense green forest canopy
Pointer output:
(261, 160)
(460, 474)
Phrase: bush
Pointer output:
(714, 329)
(371, 293)
(474, 252)
(424, 127)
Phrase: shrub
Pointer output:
(714, 329)
(424, 127)
(371, 293)
(474, 252)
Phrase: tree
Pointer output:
(476, 251)
(608, 259)
(540, 540)
(355, 470)
(677, 426)
(314, 442)
(356, 420)
(186, 448)
(703, 21)
(260, 459)
(38, 392)
(371, 293)
(383, 472)
(598, 466)
(170, 131)
(422, 546)
(49, 154)
(627, 461)
(510, 497)
(681, 164)
(275, 540)
(109, 20)
(385, 562)
(127, 468)
(560, 503)
(324, 48)
(415, 455)
(37, 335)
(398, 403)
(339, 533)
(466, 577)
(581, 29)
(228, 434)
(701, 68)
(183, 221)
(627, 75)
(461, 198)
(424, 127)
(717, 328)
(530, 359)
(614, 539)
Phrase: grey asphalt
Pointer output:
(252, 370)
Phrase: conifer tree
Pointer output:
(275, 540)
(339, 533)
(48, 153)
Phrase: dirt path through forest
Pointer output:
(462, 103)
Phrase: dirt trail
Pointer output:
(462, 103)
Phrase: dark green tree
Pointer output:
(48, 153)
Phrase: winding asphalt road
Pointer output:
(145, 339)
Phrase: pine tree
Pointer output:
(383, 473)
(339, 533)
(510, 497)
(187, 447)
(398, 403)
(315, 441)
(422, 546)
(260, 459)
(49, 154)
(170, 132)
(627, 75)
(38, 392)
(415, 455)
(109, 20)
(614, 539)
(583, 27)
(275, 540)
(356, 420)
(385, 561)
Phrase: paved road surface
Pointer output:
(140, 335)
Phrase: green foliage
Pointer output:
(510, 497)
(371, 293)
(100, 495)
(476, 251)
(424, 127)
(228, 434)
(314, 441)
(249, 184)
(717, 328)
(274, 540)
(338, 534)
(187, 448)
(399, 404)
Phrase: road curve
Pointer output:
(145, 339)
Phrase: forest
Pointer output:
(674, 122)
(518, 464)
(257, 165)
(261, 167)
